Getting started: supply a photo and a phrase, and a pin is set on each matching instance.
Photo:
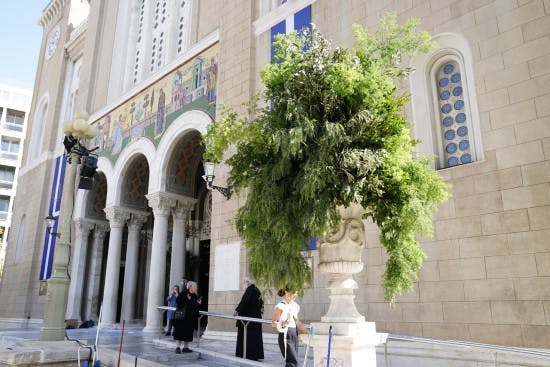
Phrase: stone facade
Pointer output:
(485, 277)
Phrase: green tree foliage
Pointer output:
(332, 132)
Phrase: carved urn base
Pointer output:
(340, 257)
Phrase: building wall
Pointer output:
(485, 277)
(486, 274)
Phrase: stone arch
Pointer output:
(182, 168)
(141, 146)
(189, 121)
(96, 198)
(37, 135)
(135, 183)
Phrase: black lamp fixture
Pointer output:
(50, 222)
(87, 173)
(209, 176)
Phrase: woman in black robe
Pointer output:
(184, 329)
(251, 305)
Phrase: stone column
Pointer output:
(180, 213)
(161, 205)
(148, 249)
(130, 272)
(78, 264)
(91, 308)
(117, 218)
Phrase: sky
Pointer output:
(20, 38)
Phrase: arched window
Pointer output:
(150, 35)
(454, 133)
(37, 132)
(444, 104)
(20, 239)
(70, 95)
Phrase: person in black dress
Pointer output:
(183, 329)
(251, 305)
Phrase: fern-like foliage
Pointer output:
(332, 132)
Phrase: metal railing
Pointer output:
(461, 343)
(394, 337)
(244, 320)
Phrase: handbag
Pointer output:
(179, 314)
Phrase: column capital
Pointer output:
(83, 226)
(117, 216)
(182, 209)
(101, 228)
(161, 203)
(137, 219)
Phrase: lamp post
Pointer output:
(209, 168)
(53, 327)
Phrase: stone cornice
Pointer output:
(52, 12)
(75, 45)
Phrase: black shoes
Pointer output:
(186, 350)
(178, 350)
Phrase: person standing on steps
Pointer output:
(172, 298)
(251, 305)
(184, 329)
(285, 319)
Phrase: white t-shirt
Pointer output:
(289, 312)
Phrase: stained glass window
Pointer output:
(453, 115)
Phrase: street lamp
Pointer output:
(50, 223)
(53, 327)
(209, 176)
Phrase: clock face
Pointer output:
(52, 42)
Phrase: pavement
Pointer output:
(139, 349)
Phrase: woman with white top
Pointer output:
(285, 319)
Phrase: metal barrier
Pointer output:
(396, 337)
(244, 320)
(460, 343)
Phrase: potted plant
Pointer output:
(329, 132)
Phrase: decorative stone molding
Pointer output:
(180, 212)
(101, 228)
(52, 13)
(75, 46)
(340, 257)
(161, 203)
(83, 226)
(137, 219)
(340, 249)
(116, 216)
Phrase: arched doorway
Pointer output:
(184, 179)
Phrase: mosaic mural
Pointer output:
(192, 86)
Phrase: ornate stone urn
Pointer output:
(353, 340)
(340, 256)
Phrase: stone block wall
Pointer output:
(485, 277)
